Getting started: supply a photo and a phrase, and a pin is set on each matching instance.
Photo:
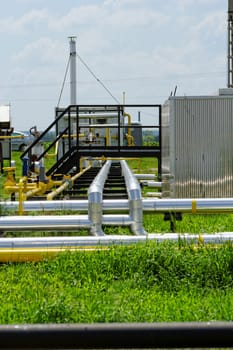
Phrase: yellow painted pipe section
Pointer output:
(129, 122)
(33, 192)
(38, 254)
(48, 155)
(11, 137)
(107, 135)
(60, 189)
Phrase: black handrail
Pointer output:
(40, 137)
(53, 143)
(84, 150)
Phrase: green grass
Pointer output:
(140, 283)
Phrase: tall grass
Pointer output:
(139, 283)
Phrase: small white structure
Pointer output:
(5, 130)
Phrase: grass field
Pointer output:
(142, 283)
(147, 282)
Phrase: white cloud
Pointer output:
(212, 25)
(144, 47)
(44, 50)
(21, 24)
(77, 16)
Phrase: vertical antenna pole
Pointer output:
(72, 70)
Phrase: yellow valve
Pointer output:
(10, 179)
(21, 196)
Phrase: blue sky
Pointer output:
(142, 47)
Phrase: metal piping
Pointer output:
(44, 223)
(95, 199)
(197, 205)
(39, 248)
(64, 222)
(80, 205)
(73, 70)
(92, 241)
(121, 220)
(194, 206)
(66, 184)
(135, 199)
(170, 335)
(152, 183)
(145, 176)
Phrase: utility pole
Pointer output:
(230, 45)
(72, 70)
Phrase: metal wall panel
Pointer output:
(197, 161)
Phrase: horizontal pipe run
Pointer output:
(79, 205)
(154, 194)
(44, 223)
(118, 336)
(120, 220)
(57, 222)
(145, 176)
(108, 240)
(194, 206)
(203, 205)
(152, 184)
(38, 254)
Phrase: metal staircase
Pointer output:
(73, 147)
(114, 187)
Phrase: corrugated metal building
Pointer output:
(197, 146)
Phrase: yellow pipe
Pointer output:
(12, 137)
(76, 176)
(38, 254)
(60, 189)
(72, 135)
(15, 188)
(33, 192)
(82, 159)
(129, 122)
(114, 158)
(107, 135)
(21, 195)
(53, 154)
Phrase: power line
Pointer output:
(185, 76)
(64, 80)
(99, 81)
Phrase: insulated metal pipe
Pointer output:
(95, 199)
(145, 176)
(152, 184)
(44, 223)
(108, 240)
(80, 205)
(61, 222)
(135, 199)
(120, 219)
(197, 205)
